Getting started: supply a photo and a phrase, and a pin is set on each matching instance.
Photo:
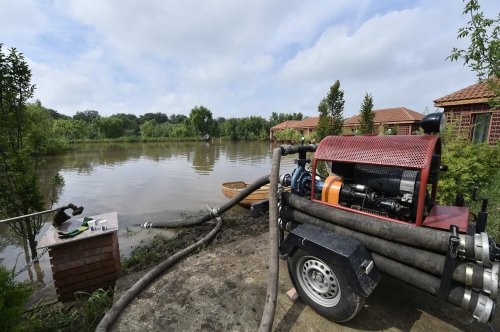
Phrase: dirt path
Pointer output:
(222, 288)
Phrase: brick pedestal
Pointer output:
(87, 262)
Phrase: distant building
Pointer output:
(468, 111)
(399, 120)
(305, 127)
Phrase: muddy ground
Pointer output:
(223, 288)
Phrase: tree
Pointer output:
(483, 53)
(277, 118)
(331, 111)
(158, 117)
(201, 120)
(87, 116)
(19, 191)
(322, 129)
(366, 115)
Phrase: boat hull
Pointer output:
(231, 189)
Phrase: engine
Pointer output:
(385, 191)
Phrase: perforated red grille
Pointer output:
(400, 151)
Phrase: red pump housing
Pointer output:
(420, 153)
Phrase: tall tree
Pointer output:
(201, 120)
(483, 53)
(366, 115)
(19, 191)
(322, 129)
(331, 119)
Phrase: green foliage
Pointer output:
(84, 315)
(13, 297)
(483, 53)
(288, 134)
(469, 165)
(157, 117)
(249, 128)
(331, 111)
(87, 116)
(19, 192)
(201, 121)
(366, 115)
(277, 118)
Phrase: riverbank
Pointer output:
(223, 288)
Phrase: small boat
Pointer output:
(231, 189)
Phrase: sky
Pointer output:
(237, 58)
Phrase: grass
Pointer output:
(82, 315)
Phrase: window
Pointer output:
(480, 127)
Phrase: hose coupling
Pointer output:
(490, 280)
(484, 309)
(281, 224)
(286, 180)
(482, 249)
(214, 212)
(461, 246)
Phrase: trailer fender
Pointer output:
(350, 255)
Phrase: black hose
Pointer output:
(215, 212)
(423, 260)
(420, 237)
(266, 322)
(423, 281)
(131, 293)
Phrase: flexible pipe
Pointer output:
(423, 260)
(266, 322)
(215, 212)
(473, 302)
(419, 237)
(132, 292)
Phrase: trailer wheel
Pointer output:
(323, 287)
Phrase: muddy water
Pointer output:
(142, 182)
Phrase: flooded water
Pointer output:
(142, 182)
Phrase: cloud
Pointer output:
(236, 58)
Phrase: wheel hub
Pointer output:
(318, 281)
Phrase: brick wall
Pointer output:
(85, 265)
(461, 117)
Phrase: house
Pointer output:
(399, 120)
(305, 127)
(468, 111)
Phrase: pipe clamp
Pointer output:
(484, 309)
(482, 249)
(466, 299)
(461, 246)
(490, 280)
(469, 271)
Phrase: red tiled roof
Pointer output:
(389, 115)
(309, 122)
(288, 124)
(479, 92)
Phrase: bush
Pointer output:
(13, 297)
(469, 165)
(83, 315)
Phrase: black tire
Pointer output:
(323, 287)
